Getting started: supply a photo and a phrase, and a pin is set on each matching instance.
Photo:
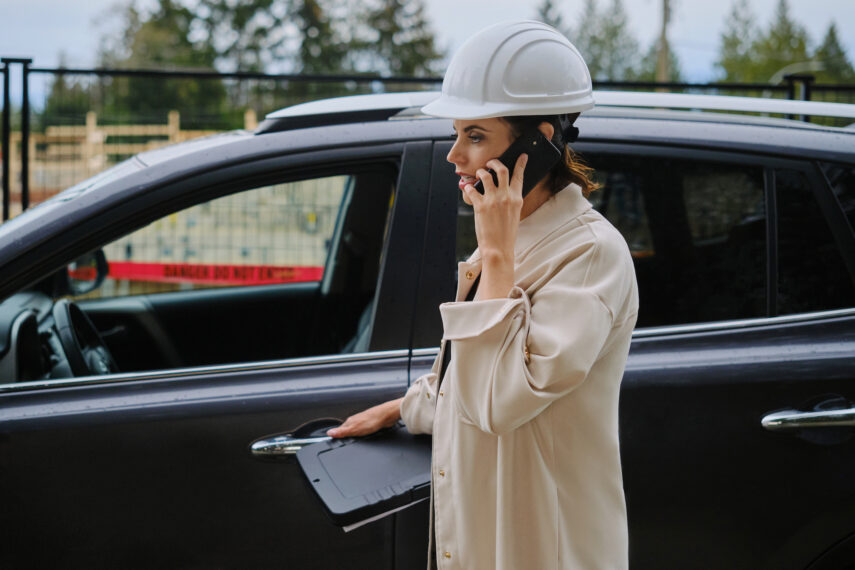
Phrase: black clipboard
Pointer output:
(359, 480)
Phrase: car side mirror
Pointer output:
(87, 272)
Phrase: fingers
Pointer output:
(474, 196)
(505, 180)
(501, 171)
(519, 172)
(348, 429)
(486, 180)
(355, 426)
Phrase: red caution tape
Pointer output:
(213, 274)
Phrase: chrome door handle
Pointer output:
(794, 419)
(279, 445)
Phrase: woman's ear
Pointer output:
(547, 129)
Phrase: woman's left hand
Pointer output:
(497, 218)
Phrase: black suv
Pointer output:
(165, 323)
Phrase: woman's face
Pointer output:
(476, 142)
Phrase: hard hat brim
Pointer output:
(457, 108)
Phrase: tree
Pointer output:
(246, 35)
(320, 51)
(68, 100)
(548, 13)
(647, 68)
(161, 40)
(837, 68)
(398, 39)
(735, 61)
(586, 37)
(606, 42)
(664, 61)
(750, 56)
(786, 42)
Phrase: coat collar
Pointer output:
(559, 209)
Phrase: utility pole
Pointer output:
(662, 63)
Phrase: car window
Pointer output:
(283, 270)
(273, 234)
(696, 231)
(812, 274)
(842, 181)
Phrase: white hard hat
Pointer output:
(514, 68)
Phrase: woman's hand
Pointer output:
(369, 421)
(497, 218)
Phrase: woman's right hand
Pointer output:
(369, 421)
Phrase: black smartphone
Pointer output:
(542, 156)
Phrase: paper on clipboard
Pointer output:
(356, 525)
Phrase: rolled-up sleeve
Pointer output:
(419, 403)
(514, 356)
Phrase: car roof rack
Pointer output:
(384, 106)
(722, 103)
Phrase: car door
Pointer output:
(153, 468)
(746, 309)
(746, 300)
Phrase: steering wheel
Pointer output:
(83, 346)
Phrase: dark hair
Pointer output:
(571, 168)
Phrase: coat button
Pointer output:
(427, 395)
(527, 355)
(441, 393)
(441, 473)
(469, 275)
(447, 555)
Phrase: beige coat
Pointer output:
(526, 463)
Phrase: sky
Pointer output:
(41, 29)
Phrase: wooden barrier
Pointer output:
(64, 155)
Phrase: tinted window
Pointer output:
(696, 231)
(842, 181)
(812, 274)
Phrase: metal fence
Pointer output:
(67, 125)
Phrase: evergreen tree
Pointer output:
(735, 60)
(619, 45)
(398, 39)
(586, 38)
(68, 100)
(606, 42)
(321, 51)
(647, 68)
(785, 43)
(836, 66)
(548, 13)
(161, 40)
(248, 35)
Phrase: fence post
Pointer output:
(250, 121)
(25, 134)
(7, 135)
(89, 142)
(173, 121)
(807, 91)
(806, 81)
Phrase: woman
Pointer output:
(526, 467)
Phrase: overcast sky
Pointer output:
(42, 28)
